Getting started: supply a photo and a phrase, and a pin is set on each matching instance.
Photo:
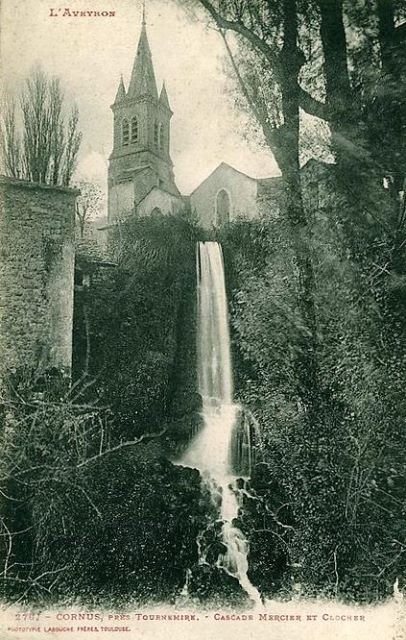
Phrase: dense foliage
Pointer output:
(318, 294)
(91, 488)
(328, 503)
(135, 329)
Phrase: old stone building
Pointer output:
(37, 257)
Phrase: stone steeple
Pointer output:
(140, 160)
(142, 81)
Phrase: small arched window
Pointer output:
(223, 207)
(134, 129)
(156, 135)
(125, 133)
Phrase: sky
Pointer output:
(88, 54)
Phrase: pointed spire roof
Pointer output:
(144, 21)
(142, 81)
(120, 95)
(163, 98)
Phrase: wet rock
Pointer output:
(212, 585)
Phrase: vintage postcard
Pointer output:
(203, 319)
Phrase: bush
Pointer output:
(91, 518)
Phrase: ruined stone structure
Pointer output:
(36, 276)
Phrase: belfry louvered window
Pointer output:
(134, 129)
(161, 139)
(156, 135)
(125, 133)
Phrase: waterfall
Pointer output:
(211, 450)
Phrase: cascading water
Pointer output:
(211, 450)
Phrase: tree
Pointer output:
(332, 32)
(364, 81)
(87, 204)
(10, 140)
(40, 141)
(72, 146)
(363, 47)
(351, 74)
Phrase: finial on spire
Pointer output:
(142, 81)
(143, 14)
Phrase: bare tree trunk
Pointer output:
(288, 156)
(357, 174)
(10, 141)
(386, 27)
(345, 139)
(392, 43)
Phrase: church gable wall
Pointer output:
(241, 189)
(159, 201)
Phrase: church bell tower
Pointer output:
(140, 159)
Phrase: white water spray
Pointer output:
(210, 451)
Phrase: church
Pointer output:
(141, 179)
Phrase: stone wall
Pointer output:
(37, 229)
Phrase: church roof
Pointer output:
(142, 81)
(223, 166)
(120, 95)
(163, 98)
